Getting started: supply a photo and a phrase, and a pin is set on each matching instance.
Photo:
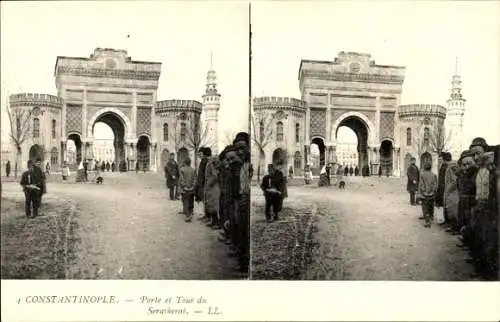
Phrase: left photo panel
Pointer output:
(125, 140)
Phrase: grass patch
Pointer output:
(38, 248)
(282, 250)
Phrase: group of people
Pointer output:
(222, 184)
(34, 186)
(466, 191)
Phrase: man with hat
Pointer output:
(32, 183)
(413, 175)
(242, 144)
(40, 173)
(445, 159)
(466, 188)
(205, 153)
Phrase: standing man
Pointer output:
(39, 172)
(200, 181)
(32, 183)
(242, 143)
(328, 174)
(445, 159)
(413, 175)
(172, 176)
(85, 171)
(7, 169)
(187, 182)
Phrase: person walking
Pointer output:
(271, 186)
(32, 183)
(85, 171)
(172, 176)
(65, 171)
(413, 175)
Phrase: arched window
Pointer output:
(297, 132)
(279, 131)
(165, 132)
(408, 136)
(36, 127)
(427, 135)
(261, 131)
(183, 131)
(53, 156)
(297, 160)
(53, 129)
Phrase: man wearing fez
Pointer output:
(224, 200)
(40, 173)
(242, 144)
(172, 176)
(204, 153)
(466, 188)
(413, 175)
(32, 183)
(445, 158)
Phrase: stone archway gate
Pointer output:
(352, 85)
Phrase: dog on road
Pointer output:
(99, 180)
(342, 184)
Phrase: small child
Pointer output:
(272, 185)
(427, 188)
(187, 184)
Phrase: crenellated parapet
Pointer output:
(412, 110)
(35, 99)
(279, 103)
(169, 106)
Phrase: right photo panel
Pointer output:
(375, 139)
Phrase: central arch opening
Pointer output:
(73, 151)
(109, 141)
(352, 143)
(386, 150)
(317, 157)
(143, 156)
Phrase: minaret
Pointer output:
(210, 111)
(455, 116)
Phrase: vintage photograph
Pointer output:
(125, 150)
(375, 141)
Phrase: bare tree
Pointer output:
(20, 120)
(190, 133)
(229, 137)
(431, 138)
(262, 134)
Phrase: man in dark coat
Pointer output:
(172, 176)
(346, 171)
(32, 182)
(439, 198)
(85, 171)
(356, 171)
(242, 143)
(413, 175)
(200, 180)
(39, 172)
(351, 170)
(328, 174)
(7, 169)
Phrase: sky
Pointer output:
(424, 36)
(180, 35)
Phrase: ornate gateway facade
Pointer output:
(111, 88)
(356, 92)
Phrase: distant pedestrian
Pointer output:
(427, 187)
(307, 174)
(47, 169)
(108, 166)
(290, 172)
(187, 185)
(85, 171)
(137, 168)
(7, 169)
(65, 171)
(113, 167)
(356, 171)
(379, 171)
(346, 171)
(351, 171)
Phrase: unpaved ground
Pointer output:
(366, 232)
(124, 229)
